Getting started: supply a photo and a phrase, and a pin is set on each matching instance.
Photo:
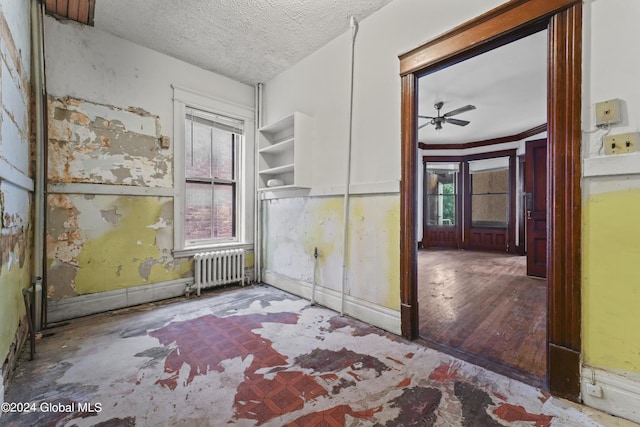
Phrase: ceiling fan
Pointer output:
(446, 117)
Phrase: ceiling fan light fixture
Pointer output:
(446, 118)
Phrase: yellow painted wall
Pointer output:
(103, 243)
(116, 259)
(12, 281)
(611, 287)
(295, 226)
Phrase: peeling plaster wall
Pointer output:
(101, 243)
(16, 184)
(110, 210)
(318, 86)
(296, 226)
(98, 243)
(100, 144)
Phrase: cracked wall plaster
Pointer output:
(101, 144)
(106, 242)
(16, 234)
(295, 226)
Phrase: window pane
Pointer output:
(224, 215)
(489, 210)
(490, 198)
(198, 150)
(222, 154)
(198, 212)
(441, 196)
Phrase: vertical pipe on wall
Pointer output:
(257, 222)
(37, 43)
(345, 240)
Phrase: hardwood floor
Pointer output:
(482, 307)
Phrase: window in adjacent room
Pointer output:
(441, 193)
(490, 192)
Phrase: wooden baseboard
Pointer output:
(382, 317)
(616, 393)
(564, 372)
(10, 362)
(84, 305)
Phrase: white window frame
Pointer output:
(182, 99)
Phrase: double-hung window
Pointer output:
(212, 145)
(213, 175)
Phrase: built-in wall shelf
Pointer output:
(278, 170)
(278, 147)
(285, 152)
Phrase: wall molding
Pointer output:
(13, 176)
(487, 142)
(107, 189)
(84, 305)
(375, 315)
(620, 393)
(369, 188)
(612, 165)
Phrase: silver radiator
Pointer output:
(218, 268)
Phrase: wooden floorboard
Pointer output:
(483, 305)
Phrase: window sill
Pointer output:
(189, 252)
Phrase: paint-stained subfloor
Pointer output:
(256, 356)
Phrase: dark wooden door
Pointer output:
(536, 207)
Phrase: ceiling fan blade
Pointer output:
(459, 110)
(426, 117)
(457, 122)
(421, 126)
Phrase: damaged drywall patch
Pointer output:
(296, 226)
(14, 214)
(132, 251)
(107, 242)
(102, 144)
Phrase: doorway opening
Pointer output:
(512, 21)
(476, 299)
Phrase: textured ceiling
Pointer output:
(250, 41)
(508, 85)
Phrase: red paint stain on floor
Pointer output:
(395, 360)
(330, 377)
(202, 343)
(513, 413)
(405, 382)
(354, 375)
(336, 416)
(545, 396)
(443, 373)
(262, 399)
(500, 396)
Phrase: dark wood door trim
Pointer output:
(479, 33)
(565, 201)
(408, 248)
(509, 22)
(522, 213)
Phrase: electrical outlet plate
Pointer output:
(608, 112)
(622, 143)
(594, 390)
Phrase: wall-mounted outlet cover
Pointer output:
(622, 143)
(594, 390)
(165, 142)
(608, 112)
